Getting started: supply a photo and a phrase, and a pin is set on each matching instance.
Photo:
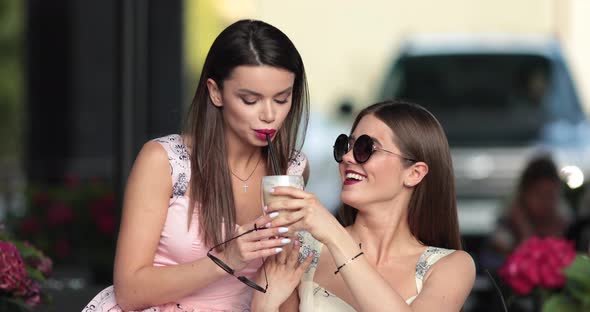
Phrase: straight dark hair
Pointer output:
(432, 211)
(250, 43)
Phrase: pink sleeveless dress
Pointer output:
(177, 246)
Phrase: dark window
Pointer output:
(480, 99)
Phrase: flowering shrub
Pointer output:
(552, 267)
(70, 220)
(537, 263)
(22, 270)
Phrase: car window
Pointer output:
(480, 99)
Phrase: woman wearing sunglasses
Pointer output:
(399, 248)
(192, 236)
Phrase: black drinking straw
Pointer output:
(273, 158)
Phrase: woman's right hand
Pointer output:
(304, 211)
(261, 243)
(283, 273)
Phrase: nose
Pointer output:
(268, 113)
(349, 157)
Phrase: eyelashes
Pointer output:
(247, 102)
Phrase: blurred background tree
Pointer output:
(11, 81)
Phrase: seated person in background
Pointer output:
(535, 208)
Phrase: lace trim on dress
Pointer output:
(179, 162)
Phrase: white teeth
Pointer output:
(355, 176)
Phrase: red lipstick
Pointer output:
(351, 181)
(261, 133)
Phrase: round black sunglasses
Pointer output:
(362, 148)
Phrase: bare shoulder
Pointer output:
(151, 169)
(448, 283)
(459, 260)
(458, 265)
(152, 156)
(153, 151)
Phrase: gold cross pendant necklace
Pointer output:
(245, 181)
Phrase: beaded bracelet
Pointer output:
(349, 261)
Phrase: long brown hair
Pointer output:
(246, 42)
(432, 211)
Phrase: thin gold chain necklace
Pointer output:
(245, 181)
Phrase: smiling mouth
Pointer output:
(352, 177)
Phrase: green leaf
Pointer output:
(27, 251)
(575, 291)
(35, 274)
(579, 272)
(560, 303)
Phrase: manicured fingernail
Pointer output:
(285, 241)
(264, 208)
(272, 190)
(274, 214)
(283, 230)
(277, 250)
(267, 225)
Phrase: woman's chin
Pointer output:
(350, 200)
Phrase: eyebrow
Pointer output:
(375, 140)
(289, 89)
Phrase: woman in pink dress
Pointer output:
(193, 231)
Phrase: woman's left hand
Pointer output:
(303, 211)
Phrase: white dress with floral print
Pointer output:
(315, 298)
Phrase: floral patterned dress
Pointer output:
(315, 298)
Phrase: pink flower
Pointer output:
(106, 224)
(560, 254)
(13, 276)
(30, 226)
(537, 262)
(103, 206)
(43, 263)
(12, 267)
(59, 214)
(72, 181)
(103, 213)
(45, 266)
(29, 291)
(62, 248)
